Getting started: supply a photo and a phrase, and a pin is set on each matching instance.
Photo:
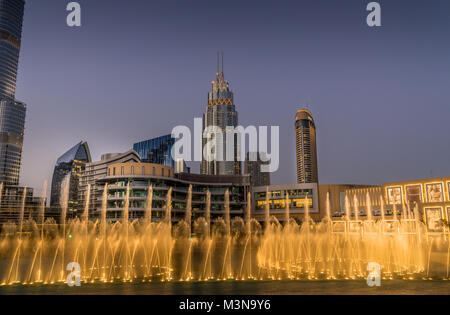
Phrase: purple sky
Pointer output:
(135, 69)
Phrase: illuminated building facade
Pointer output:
(221, 118)
(140, 176)
(68, 170)
(95, 171)
(431, 195)
(306, 148)
(300, 197)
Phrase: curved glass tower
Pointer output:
(70, 165)
(221, 112)
(12, 112)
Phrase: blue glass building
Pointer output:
(157, 150)
(12, 112)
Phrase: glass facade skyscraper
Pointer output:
(157, 150)
(221, 117)
(11, 17)
(12, 112)
(69, 166)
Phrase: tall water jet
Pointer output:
(226, 267)
(168, 216)
(286, 209)
(355, 208)
(41, 220)
(104, 231)
(328, 211)
(85, 216)
(22, 210)
(207, 273)
(188, 217)
(307, 217)
(368, 207)
(247, 251)
(126, 224)
(267, 209)
(148, 206)
(347, 208)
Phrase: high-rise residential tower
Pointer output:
(219, 122)
(12, 112)
(306, 148)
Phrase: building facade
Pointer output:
(140, 176)
(12, 112)
(252, 167)
(299, 198)
(68, 170)
(95, 171)
(157, 150)
(431, 195)
(306, 148)
(219, 123)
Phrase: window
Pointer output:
(114, 171)
(153, 171)
(143, 170)
(121, 170)
(162, 171)
(132, 170)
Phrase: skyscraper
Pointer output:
(12, 112)
(221, 113)
(70, 165)
(306, 149)
(252, 167)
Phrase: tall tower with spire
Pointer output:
(221, 116)
(12, 112)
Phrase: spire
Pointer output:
(222, 64)
(219, 73)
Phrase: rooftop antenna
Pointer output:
(217, 62)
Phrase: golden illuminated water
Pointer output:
(223, 249)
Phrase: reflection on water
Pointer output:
(241, 287)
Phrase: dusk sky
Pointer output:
(137, 68)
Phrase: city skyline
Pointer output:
(404, 84)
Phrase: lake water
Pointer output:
(240, 287)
